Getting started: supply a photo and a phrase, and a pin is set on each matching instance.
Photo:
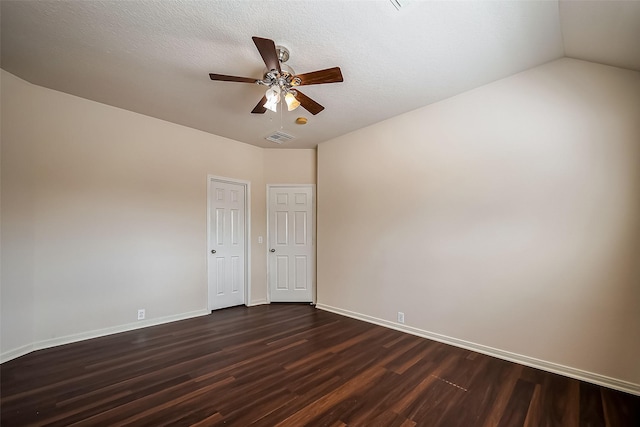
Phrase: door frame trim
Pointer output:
(313, 237)
(247, 232)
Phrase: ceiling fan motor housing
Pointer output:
(286, 78)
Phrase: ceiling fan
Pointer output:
(281, 80)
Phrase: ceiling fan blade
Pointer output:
(309, 104)
(267, 49)
(225, 78)
(330, 75)
(259, 108)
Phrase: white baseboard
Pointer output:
(259, 302)
(15, 353)
(567, 371)
(67, 339)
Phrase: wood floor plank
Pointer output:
(508, 379)
(315, 409)
(290, 365)
(620, 409)
(533, 414)
(591, 411)
(518, 406)
(558, 401)
(481, 391)
(436, 403)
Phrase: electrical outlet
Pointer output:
(400, 317)
(141, 314)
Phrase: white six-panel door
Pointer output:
(291, 243)
(226, 257)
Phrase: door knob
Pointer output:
(213, 251)
(272, 250)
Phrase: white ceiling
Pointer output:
(153, 57)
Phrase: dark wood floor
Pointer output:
(291, 365)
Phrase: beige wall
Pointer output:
(289, 166)
(104, 212)
(508, 216)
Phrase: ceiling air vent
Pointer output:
(399, 4)
(279, 137)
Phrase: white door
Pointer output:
(291, 244)
(226, 257)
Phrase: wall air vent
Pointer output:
(279, 137)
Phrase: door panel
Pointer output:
(226, 244)
(282, 272)
(291, 245)
(301, 272)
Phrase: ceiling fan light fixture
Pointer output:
(273, 98)
(273, 106)
(292, 102)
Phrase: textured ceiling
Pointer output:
(153, 57)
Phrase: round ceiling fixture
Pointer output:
(301, 121)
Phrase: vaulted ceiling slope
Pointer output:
(153, 57)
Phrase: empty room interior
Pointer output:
(340, 213)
